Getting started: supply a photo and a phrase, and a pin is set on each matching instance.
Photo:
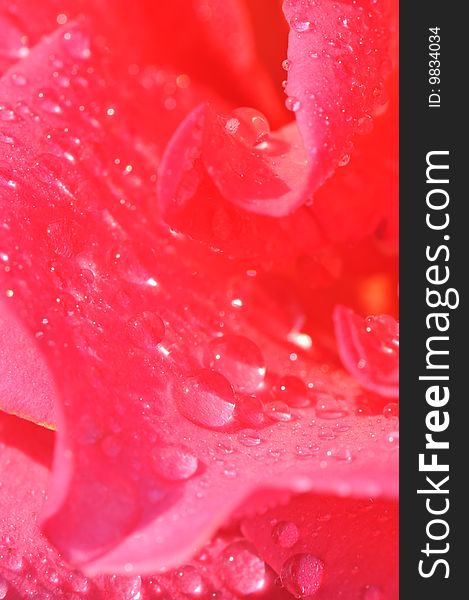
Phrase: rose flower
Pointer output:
(198, 291)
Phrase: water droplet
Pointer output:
(189, 582)
(286, 64)
(302, 575)
(292, 103)
(365, 125)
(301, 24)
(249, 437)
(330, 408)
(371, 592)
(77, 44)
(174, 463)
(391, 440)
(293, 391)
(285, 534)
(124, 588)
(278, 411)
(391, 410)
(146, 330)
(238, 359)
(207, 399)
(248, 126)
(242, 570)
(250, 411)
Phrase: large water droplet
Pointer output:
(238, 359)
(189, 582)
(206, 398)
(174, 463)
(285, 534)
(248, 125)
(293, 391)
(242, 569)
(146, 330)
(292, 103)
(302, 575)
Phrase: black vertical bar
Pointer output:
(433, 123)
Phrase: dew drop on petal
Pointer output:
(146, 330)
(249, 437)
(242, 569)
(278, 411)
(302, 575)
(285, 534)
(292, 103)
(189, 582)
(247, 125)
(293, 391)
(238, 359)
(286, 64)
(174, 463)
(124, 588)
(391, 410)
(206, 398)
(300, 24)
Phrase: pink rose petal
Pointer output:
(81, 229)
(369, 349)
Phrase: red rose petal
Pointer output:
(335, 83)
(209, 43)
(81, 229)
(26, 388)
(342, 548)
(369, 349)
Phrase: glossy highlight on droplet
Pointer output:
(238, 359)
(206, 398)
